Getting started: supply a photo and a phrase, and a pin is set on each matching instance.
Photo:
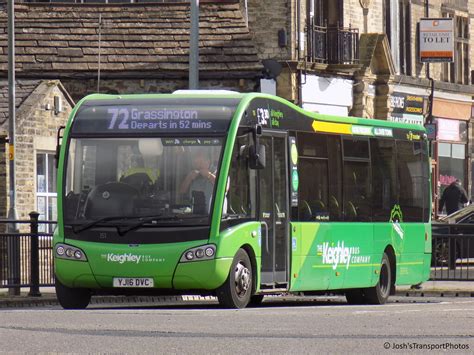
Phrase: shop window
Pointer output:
(451, 157)
(46, 196)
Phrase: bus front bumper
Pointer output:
(196, 275)
(201, 275)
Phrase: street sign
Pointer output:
(436, 40)
(431, 131)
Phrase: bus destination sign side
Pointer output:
(149, 119)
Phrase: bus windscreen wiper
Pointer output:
(85, 226)
(145, 220)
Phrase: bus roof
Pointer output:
(215, 97)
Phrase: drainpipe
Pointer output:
(298, 35)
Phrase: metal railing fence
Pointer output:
(26, 258)
(452, 252)
(333, 44)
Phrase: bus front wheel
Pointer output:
(237, 289)
(72, 298)
(380, 292)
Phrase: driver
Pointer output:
(200, 178)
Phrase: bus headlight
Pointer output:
(204, 252)
(69, 252)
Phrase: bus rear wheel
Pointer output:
(380, 292)
(72, 298)
(237, 289)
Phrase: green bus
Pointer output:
(237, 196)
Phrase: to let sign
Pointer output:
(436, 40)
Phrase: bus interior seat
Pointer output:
(334, 209)
(140, 181)
(304, 211)
(199, 202)
(317, 206)
(110, 199)
(350, 211)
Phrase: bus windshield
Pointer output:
(131, 178)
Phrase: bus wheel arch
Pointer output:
(236, 291)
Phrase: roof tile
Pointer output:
(65, 39)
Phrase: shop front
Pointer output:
(451, 146)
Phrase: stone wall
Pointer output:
(265, 19)
(36, 132)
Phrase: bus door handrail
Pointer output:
(266, 236)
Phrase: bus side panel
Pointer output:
(306, 271)
(411, 268)
(408, 241)
(358, 267)
(332, 256)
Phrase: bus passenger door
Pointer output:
(273, 202)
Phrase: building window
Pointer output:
(458, 71)
(405, 37)
(387, 20)
(46, 195)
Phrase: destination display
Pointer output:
(121, 117)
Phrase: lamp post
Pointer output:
(194, 46)
(13, 244)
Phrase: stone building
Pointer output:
(42, 106)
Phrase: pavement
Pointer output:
(48, 295)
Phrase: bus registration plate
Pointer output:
(133, 282)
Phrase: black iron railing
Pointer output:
(452, 252)
(26, 258)
(333, 45)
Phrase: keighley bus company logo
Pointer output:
(339, 254)
(130, 258)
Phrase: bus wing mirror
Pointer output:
(257, 158)
(59, 138)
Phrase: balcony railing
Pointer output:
(333, 45)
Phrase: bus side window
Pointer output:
(313, 201)
(241, 182)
